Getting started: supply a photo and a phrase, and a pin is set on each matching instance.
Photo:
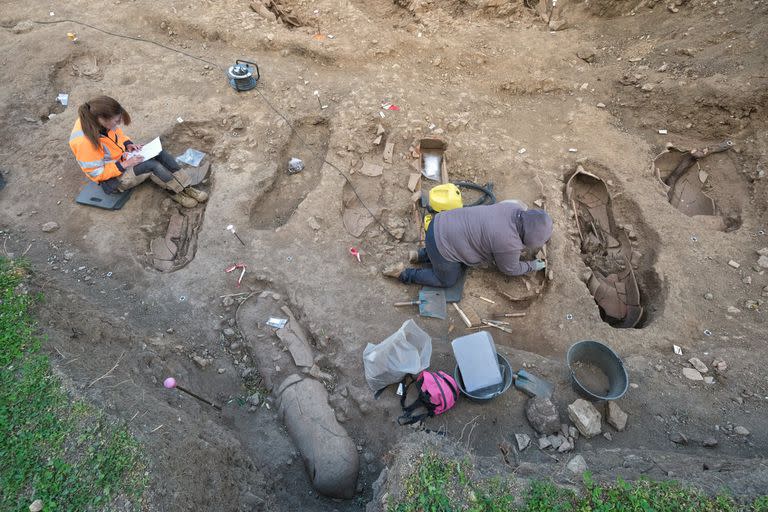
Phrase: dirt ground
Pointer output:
(519, 105)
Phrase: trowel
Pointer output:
(532, 385)
(431, 303)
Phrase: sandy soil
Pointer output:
(490, 78)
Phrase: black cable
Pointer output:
(263, 97)
(486, 189)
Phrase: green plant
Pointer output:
(58, 450)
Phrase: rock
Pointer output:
(229, 332)
(313, 223)
(647, 87)
(608, 436)
(577, 465)
(733, 264)
(573, 432)
(542, 415)
(36, 506)
(696, 363)
(709, 296)
(566, 446)
(600, 105)
(69, 255)
(523, 440)
(678, 438)
(733, 310)
(741, 431)
(709, 442)
(709, 379)
(663, 68)
(330, 456)
(299, 348)
(221, 370)
(586, 54)
(49, 227)
(544, 443)
(747, 280)
(228, 301)
(555, 25)
(762, 261)
(586, 418)
(719, 365)
(690, 373)
(555, 441)
(201, 361)
(616, 417)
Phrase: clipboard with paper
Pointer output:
(150, 150)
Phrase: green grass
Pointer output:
(442, 485)
(52, 448)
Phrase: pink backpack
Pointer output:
(437, 393)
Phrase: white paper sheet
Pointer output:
(150, 150)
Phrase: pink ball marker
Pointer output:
(169, 383)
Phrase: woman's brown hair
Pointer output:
(100, 106)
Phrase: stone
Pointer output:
(741, 431)
(762, 261)
(647, 87)
(69, 255)
(300, 350)
(733, 264)
(690, 373)
(573, 432)
(608, 436)
(555, 25)
(709, 379)
(733, 310)
(228, 301)
(696, 363)
(616, 417)
(36, 506)
(523, 441)
(600, 105)
(586, 418)
(330, 456)
(555, 441)
(747, 280)
(678, 438)
(49, 227)
(577, 465)
(586, 54)
(566, 446)
(229, 332)
(719, 365)
(709, 442)
(544, 443)
(709, 296)
(542, 415)
(201, 361)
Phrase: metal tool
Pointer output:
(431, 304)
(170, 383)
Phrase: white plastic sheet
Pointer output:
(407, 351)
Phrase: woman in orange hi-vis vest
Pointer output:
(103, 152)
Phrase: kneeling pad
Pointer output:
(93, 195)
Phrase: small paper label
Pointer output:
(277, 323)
(678, 350)
(400, 389)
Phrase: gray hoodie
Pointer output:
(492, 234)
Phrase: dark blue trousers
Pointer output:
(443, 273)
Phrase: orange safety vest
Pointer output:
(98, 163)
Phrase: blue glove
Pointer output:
(538, 265)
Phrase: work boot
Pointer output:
(413, 256)
(184, 200)
(197, 195)
(394, 270)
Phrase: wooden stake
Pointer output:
(462, 315)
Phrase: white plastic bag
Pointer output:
(407, 351)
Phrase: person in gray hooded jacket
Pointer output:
(492, 234)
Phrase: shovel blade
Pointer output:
(432, 304)
(532, 385)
